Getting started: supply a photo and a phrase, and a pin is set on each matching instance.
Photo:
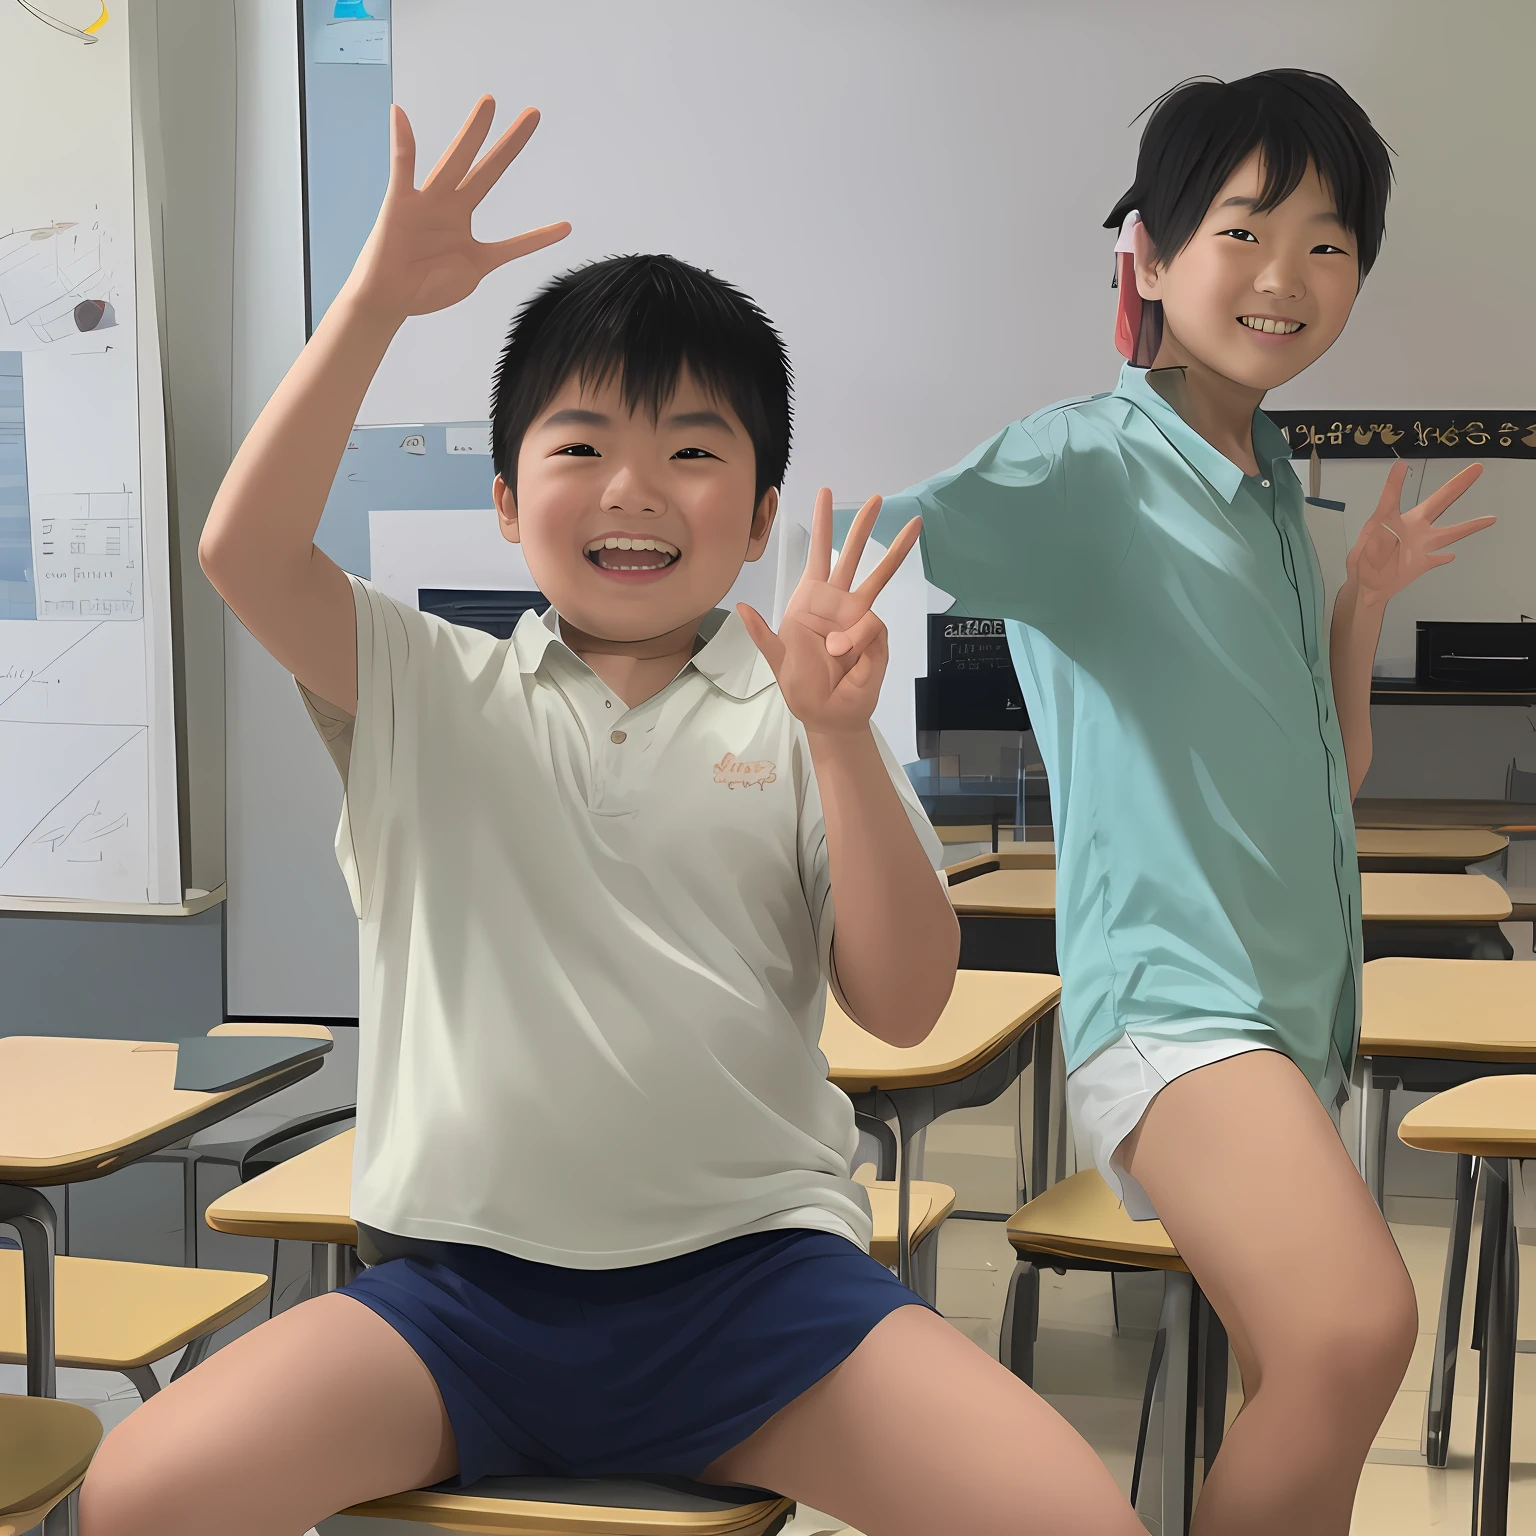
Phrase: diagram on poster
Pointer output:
(88, 556)
(56, 282)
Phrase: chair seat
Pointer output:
(931, 1203)
(541, 1506)
(113, 1316)
(1080, 1218)
(45, 1447)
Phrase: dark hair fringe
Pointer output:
(1198, 134)
(642, 320)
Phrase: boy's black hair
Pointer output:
(642, 320)
(1203, 129)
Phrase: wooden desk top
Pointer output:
(77, 1109)
(1494, 815)
(1006, 892)
(1409, 845)
(307, 1199)
(1493, 1117)
(1009, 856)
(1450, 1010)
(986, 1013)
(1461, 845)
(1385, 898)
(1467, 899)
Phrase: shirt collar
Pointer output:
(727, 657)
(1269, 443)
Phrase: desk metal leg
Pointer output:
(1379, 1161)
(1214, 1385)
(31, 1214)
(1490, 1516)
(1044, 1073)
(64, 1518)
(1442, 1379)
(321, 1268)
(1178, 1395)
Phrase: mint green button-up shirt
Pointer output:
(1166, 622)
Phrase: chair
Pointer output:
(45, 1448)
(1494, 1121)
(113, 1316)
(540, 1506)
(228, 1142)
(1078, 1224)
(594, 1507)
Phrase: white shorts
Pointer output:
(1110, 1092)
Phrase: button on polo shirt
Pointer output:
(1166, 622)
(593, 948)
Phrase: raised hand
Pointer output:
(1395, 547)
(830, 651)
(422, 255)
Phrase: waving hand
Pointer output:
(830, 651)
(422, 255)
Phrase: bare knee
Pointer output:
(1350, 1353)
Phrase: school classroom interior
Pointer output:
(917, 203)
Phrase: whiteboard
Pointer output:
(88, 808)
(913, 190)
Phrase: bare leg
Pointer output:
(918, 1432)
(324, 1407)
(1256, 1190)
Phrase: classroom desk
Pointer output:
(1494, 815)
(1452, 915)
(972, 1055)
(72, 1110)
(976, 1050)
(1493, 1120)
(1427, 1026)
(1426, 850)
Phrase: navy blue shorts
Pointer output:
(658, 1368)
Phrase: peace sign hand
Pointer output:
(1396, 548)
(830, 652)
(422, 255)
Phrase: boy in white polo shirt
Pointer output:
(601, 1177)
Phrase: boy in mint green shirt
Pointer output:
(1204, 734)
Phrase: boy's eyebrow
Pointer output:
(572, 417)
(1329, 217)
(700, 419)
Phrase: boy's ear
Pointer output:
(1148, 272)
(506, 511)
(762, 524)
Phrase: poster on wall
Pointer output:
(77, 756)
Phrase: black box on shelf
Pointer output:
(1487, 657)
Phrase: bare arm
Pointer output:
(1394, 549)
(897, 941)
(1353, 638)
(258, 544)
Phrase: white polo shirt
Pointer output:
(593, 947)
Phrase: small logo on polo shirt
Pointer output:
(737, 773)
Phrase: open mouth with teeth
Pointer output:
(1267, 325)
(623, 552)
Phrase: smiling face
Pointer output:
(635, 528)
(1256, 297)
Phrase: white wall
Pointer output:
(947, 274)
